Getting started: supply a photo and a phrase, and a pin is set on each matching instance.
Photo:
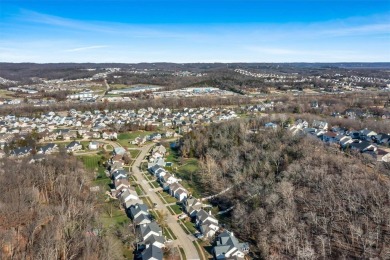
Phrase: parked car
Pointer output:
(182, 216)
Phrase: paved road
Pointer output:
(184, 240)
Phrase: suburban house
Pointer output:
(128, 194)
(168, 178)
(159, 149)
(345, 141)
(93, 145)
(206, 223)
(109, 135)
(367, 135)
(22, 151)
(146, 230)
(383, 155)
(362, 146)
(139, 214)
(192, 206)
(322, 125)
(152, 252)
(329, 137)
(119, 150)
(227, 246)
(158, 162)
(74, 146)
(119, 174)
(271, 125)
(178, 191)
(382, 138)
(139, 140)
(48, 149)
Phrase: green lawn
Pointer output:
(134, 153)
(124, 139)
(171, 234)
(155, 184)
(173, 156)
(183, 227)
(91, 161)
(118, 218)
(146, 201)
(139, 190)
(190, 226)
(168, 198)
(176, 209)
(187, 172)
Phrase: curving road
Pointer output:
(184, 240)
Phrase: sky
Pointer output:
(130, 31)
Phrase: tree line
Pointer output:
(47, 211)
(293, 196)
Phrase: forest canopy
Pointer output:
(293, 196)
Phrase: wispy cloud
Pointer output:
(86, 48)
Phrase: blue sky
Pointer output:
(194, 31)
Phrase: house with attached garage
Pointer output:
(367, 135)
(206, 223)
(321, 125)
(144, 231)
(329, 137)
(192, 206)
(152, 252)
(139, 214)
(178, 191)
(168, 178)
(48, 149)
(382, 138)
(128, 194)
(362, 146)
(383, 155)
(119, 174)
(21, 152)
(74, 146)
(119, 150)
(227, 246)
(345, 141)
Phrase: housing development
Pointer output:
(147, 180)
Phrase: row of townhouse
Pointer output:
(151, 241)
(363, 141)
(226, 244)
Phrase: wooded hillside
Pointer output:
(294, 197)
(47, 211)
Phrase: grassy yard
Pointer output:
(139, 190)
(176, 209)
(91, 161)
(187, 173)
(168, 198)
(134, 153)
(147, 202)
(190, 226)
(155, 184)
(124, 139)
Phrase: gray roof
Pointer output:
(226, 241)
(153, 238)
(150, 227)
(152, 252)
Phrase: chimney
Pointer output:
(209, 212)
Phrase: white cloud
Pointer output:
(86, 48)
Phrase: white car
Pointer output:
(182, 216)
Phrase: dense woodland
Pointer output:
(48, 212)
(293, 197)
